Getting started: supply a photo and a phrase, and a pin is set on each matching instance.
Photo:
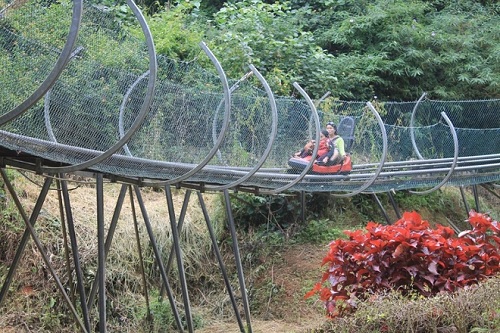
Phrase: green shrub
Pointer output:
(319, 231)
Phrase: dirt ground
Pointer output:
(293, 274)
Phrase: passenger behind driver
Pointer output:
(323, 149)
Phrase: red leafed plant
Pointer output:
(408, 256)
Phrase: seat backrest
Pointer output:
(345, 129)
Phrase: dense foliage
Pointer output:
(408, 256)
(399, 49)
(395, 50)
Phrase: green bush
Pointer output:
(319, 231)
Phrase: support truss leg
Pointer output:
(466, 205)
(381, 207)
(30, 231)
(109, 239)
(237, 258)
(26, 234)
(394, 205)
(302, 196)
(476, 197)
(180, 262)
(76, 257)
(179, 228)
(158, 258)
(101, 257)
(139, 250)
(491, 191)
(65, 242)
(221, 262)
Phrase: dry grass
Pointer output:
(472, 309)
(124, 282)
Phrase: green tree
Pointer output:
(176, 31)
(270, 37)
(398, 49)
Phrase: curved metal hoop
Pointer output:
(122, 109)
(56, 71)
(319, 101)
(274, 131)
(225, 125)
(316, 147)
(412, 122)
(455, 158)
(46, 103)
(144, 108)
(214, 123)
(46, 116)
(316, 105)
(382, 159)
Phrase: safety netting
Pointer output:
(72, 96)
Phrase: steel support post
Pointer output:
(65, 241)
(466, 205)
(303, 207)
(26, 234)
(74, 251)
(179, 227)
(237, 258)
(158, 258)
(30, 231)
(491, 191)
(139, 250)
(476, 197)
(109, 239)
(180, 262)
(101, 256)
(382, 209)
(221, 262)
(394, 204)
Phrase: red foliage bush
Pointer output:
(408, 256)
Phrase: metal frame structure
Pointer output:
(86, 302)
